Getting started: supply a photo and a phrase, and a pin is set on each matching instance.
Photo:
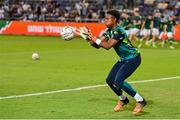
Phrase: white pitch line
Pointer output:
(82, 88)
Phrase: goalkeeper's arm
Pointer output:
(93, 44)
(102, 42)
(86, 34)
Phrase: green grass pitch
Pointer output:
(73, 64)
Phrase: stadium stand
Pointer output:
(81, 10)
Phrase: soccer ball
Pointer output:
(67, 33)
(35, 56)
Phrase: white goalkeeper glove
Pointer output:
(83, 32)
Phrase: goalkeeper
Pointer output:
(115, 36)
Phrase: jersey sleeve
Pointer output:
(105, 33)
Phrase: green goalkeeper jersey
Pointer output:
(124, 49)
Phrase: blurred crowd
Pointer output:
(82, 10)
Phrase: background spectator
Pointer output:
(82, 10)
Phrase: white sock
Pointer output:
(122, 97)
(138, 98)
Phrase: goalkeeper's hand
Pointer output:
(84, 32)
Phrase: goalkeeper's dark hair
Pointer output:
(114, 13)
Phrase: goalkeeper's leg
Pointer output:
(123, 100)
(123, 73)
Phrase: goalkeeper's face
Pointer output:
(110, 21)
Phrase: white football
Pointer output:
(35, 56)
(67, 33)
